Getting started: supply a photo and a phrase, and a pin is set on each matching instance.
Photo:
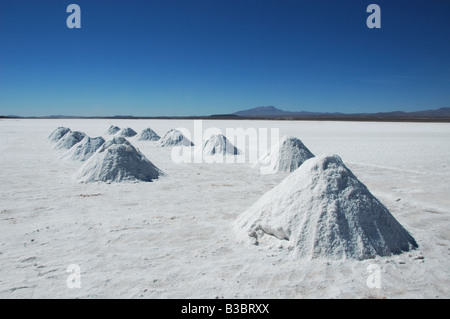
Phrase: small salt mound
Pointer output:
(115, 140)
(126, 132)
(286, 156)
(58, 134)
(115, 161)
(323, 211)
(112, 130)
(85, 149)
(69, 140)
(174, 138)
(148, 135)
(218, 145)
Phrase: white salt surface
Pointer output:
(173, 238)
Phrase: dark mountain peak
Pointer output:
(273, 112)
(268, 108)
(261, 111)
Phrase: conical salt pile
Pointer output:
(85, 149)
(174, 138)
(323, 211)
(218, 145)
(148, 135)
(115, 140)
(126, 132)
(69, 140)
(58, 134)
(115, 161)
(112, 130)
(286, 156)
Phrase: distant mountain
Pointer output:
(442, 112)
(273, 112)
(438, 113)
(10, 117)
(261, 111)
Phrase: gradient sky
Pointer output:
(192, 57)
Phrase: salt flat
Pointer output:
(172, 238)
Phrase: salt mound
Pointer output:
(127, 132)
(115, 140)
(112, 130)
(218, 145)
(148, 135)
(173, 138)
(115, 161)
(286, 156)
(58, 134)
(85, 149)
(323, 211)
(69, 140)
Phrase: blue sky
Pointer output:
(192, 57)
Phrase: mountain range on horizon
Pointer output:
(273, 112)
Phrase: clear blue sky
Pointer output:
(192, 57)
